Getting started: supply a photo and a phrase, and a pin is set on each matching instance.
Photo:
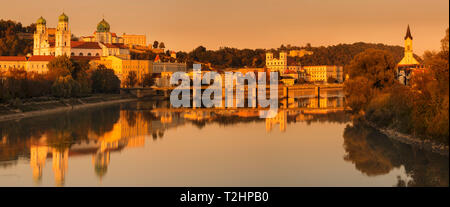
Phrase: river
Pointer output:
(310, 142)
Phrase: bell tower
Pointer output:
(408, 58)
(62, 36)
(39, 36)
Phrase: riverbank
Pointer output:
(48, 105)
(411, 140)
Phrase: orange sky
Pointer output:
(186, 24)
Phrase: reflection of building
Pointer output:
(38, 156)
(60, 159)
(408, 65)
(280, 118)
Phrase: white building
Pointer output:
(56, 42)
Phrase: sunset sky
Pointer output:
(186, 24)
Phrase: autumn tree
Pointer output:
(161, 45)
(60, 66)
(104, 80)
(155, 44)
(148, 80)
(131, 79)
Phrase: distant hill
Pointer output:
(13, 43)
(342, 54)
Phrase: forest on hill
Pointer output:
(10, 42)
(225, 57)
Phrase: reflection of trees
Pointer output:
(130, 116)
(340, 117)
(375, 154)
(61, 130)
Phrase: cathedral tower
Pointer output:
(62, 36)
(39, 36)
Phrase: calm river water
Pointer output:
(310, 142)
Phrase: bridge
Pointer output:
(283, 91)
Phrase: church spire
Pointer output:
(408, 33)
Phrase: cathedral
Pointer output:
(58, 41)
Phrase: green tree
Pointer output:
(65, 87)
(331, 80)
(358, 92)
(377, 66)
(161, 45)
(131, 79)
(148, 80)
(155, 44)
(104, 80)
(60, 66)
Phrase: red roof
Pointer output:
(13, 58)
(84, 45)
(156, 58)
(85, 57)
(113, 34)
(41, 58)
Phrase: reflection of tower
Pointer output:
(38, 155)
(101, 162)
(280, 118)
(60, 164)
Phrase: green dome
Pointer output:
(103, 26)
(63, 18)
(41, 21)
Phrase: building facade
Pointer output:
(277, 64)
(134, 40)
(322, 73)
(299, 53)
(56, 42)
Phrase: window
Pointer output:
(72, 54)
(81, 54)
(89, 54)
(97, 54)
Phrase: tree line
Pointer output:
(226, 57)
(420, 109)
(65, 78)
(10, 42)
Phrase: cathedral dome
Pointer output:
(63, 18)
(103, 26)
(41, 20)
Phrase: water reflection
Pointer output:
(375, 154)
(100, 132)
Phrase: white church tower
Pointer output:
(62, 36)
(40, 36)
